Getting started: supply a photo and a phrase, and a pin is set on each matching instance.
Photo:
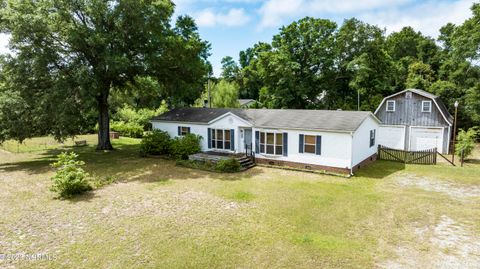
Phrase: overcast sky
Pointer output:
(234, 25)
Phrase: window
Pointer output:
(182, 130)
(426, 106)
(310, 144)
(271, 143)
(372, 138)
(220, 139)
(391, 105)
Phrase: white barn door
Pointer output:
(392, 136)
(422, 138)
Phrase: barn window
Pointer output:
(372, 138)
(426, 106)
(391, 105)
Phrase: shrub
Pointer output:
(130, 129)
(465, 142)
(155, 142)
(70, 179)
(228, 165)
(183, 146)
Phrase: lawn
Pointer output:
(150, 213)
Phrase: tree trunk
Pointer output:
(103, 122)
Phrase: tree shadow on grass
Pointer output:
(123, 164)
(380, 169)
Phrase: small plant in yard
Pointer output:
(155, 142)
(465, 142)
(183, 146)
(228, 165)
(70, 179)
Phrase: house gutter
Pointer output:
(351, 155)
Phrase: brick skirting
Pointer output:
(365, 162)
(309, 166)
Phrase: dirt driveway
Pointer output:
(449, 242)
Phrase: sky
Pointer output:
(235, 25)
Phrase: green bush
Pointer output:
(70, 179)
(155, 142)
(186, 145)
(207, 166)
(228, 165)
(130, 129)
(465, 142)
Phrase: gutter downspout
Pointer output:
(351, 154)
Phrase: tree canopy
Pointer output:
(313, 63)
(68, 56)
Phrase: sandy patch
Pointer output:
(453, 190)
(446, 245)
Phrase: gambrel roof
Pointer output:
(438, 102)
(326, 120)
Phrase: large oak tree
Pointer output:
(67, 56)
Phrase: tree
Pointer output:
(68, 56)
(225, 94)
(298, 70)
(466, 37)
(229, 69)
(420, 76)
(465, 142)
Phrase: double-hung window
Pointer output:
(271, 143)
(220, 139)
(310, 144)
(390, 105)
(426, 106)
(372, 138)
(183, 130)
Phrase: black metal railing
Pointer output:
(249, 151)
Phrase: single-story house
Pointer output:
(414, 120)
(338, 141)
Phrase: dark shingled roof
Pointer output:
(331, 120)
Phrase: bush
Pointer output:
(155, 142)
(465, 142)
(229, 165)
(224, 166)
(70, 179)
(130, 129)
(183, 146)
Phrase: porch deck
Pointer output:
(214, 156)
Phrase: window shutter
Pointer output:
(179, 130)
(257, 142)
(285, 144)
(209, 135)
(188, 128)
(300, 144)
(318, 148)
(232, 139)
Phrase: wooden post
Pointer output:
(454, 132)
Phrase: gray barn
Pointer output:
(414, 120)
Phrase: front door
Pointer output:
(247, 138)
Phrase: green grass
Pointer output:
(150, 213)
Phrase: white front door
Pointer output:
(422, 138)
